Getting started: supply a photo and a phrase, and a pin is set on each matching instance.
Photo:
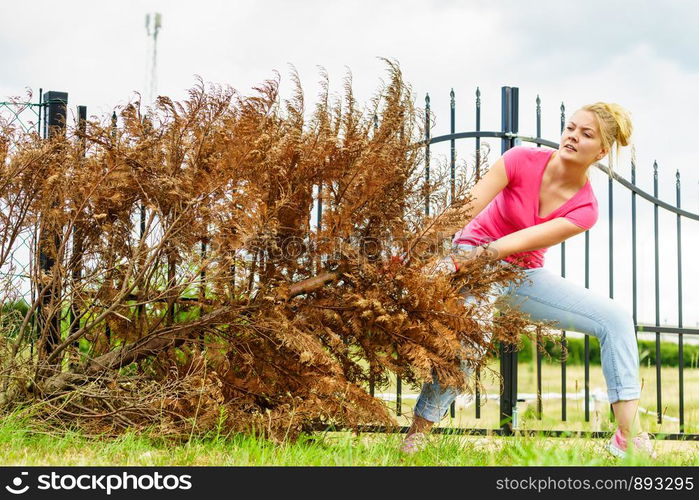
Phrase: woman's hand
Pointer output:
(447, 265)
(453, 262)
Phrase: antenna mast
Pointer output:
(153, 25)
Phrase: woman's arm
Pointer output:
(487, 188)
(481, 194)
(534, 238)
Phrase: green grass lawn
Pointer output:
(21, 446)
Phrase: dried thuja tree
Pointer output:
(189, 289)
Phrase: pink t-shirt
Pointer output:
(517, 205)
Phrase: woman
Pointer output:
(529, 200)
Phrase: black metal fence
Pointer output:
(510, 136)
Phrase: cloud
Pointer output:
(590, 33)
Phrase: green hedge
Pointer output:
(11, 316)
(669, 352)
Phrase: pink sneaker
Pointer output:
(414, 443)
(641, 444)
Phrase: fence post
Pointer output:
(508, 357)
(680, 339)
(49, 240)
(77, 248)
(658, 358)
(55, 114)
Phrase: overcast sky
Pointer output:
(641, 54)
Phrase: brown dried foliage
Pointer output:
(273, 325)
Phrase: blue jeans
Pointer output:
(545, 296)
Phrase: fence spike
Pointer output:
(563, 116)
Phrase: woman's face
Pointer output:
(581, 140)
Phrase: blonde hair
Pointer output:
(615, 127)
